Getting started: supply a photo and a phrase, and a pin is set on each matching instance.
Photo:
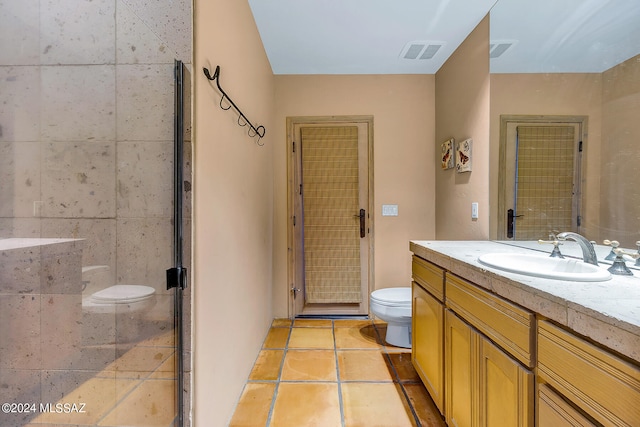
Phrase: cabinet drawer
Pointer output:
(506, 324)
(603, 385)
(555, 411)
(429, 276)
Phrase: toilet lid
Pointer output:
(394, 296)
(121, 294)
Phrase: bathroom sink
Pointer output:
(574, 270)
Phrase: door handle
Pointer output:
(510, 222)
(361, 215)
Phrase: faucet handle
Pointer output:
(555, 253)
(620, 252)
(612, 254)
(619, 266)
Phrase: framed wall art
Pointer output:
(448, 155)
(463, 156)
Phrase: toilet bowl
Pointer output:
(115, 314)
(120, 298)
(98, 297)
(393, 305)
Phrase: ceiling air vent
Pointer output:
(420, 50)
(498, 47)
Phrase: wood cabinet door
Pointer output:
(461, 356)
(506, 389)
(552, 410)
(427, 345)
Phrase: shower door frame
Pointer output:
(177, 276)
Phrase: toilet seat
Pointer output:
(392, 297)
(123, 294)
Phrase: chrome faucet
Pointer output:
(588, 252)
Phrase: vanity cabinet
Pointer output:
(472, 350)
(488, 356)
(604, 386)
(427, 327)
(508, 364)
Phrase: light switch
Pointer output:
(389, 210)
(474, 210)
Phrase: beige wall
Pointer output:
(551, 94)
(620, 155)
(233, 204)
(462, 111)
(403, 111)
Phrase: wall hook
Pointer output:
(221, 106)
(253, 131)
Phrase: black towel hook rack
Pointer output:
(253, 131)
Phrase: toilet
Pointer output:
(393, 305)
(98, 297)
(120, 298)
(114, 314)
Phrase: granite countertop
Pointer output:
(608, 312)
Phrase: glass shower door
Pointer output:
(88, 328)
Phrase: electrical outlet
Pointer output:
(474, 210)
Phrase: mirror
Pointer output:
(573, 58)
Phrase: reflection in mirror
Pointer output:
(571, 58)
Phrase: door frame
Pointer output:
(293, 246)
(505, 121)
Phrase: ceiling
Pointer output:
(376, 36)
(361, 36)
(579, 36)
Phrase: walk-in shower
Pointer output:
(94, 213)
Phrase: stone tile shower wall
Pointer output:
(40, 310)
(86, 126)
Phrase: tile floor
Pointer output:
(323, 372)
(137, 389)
